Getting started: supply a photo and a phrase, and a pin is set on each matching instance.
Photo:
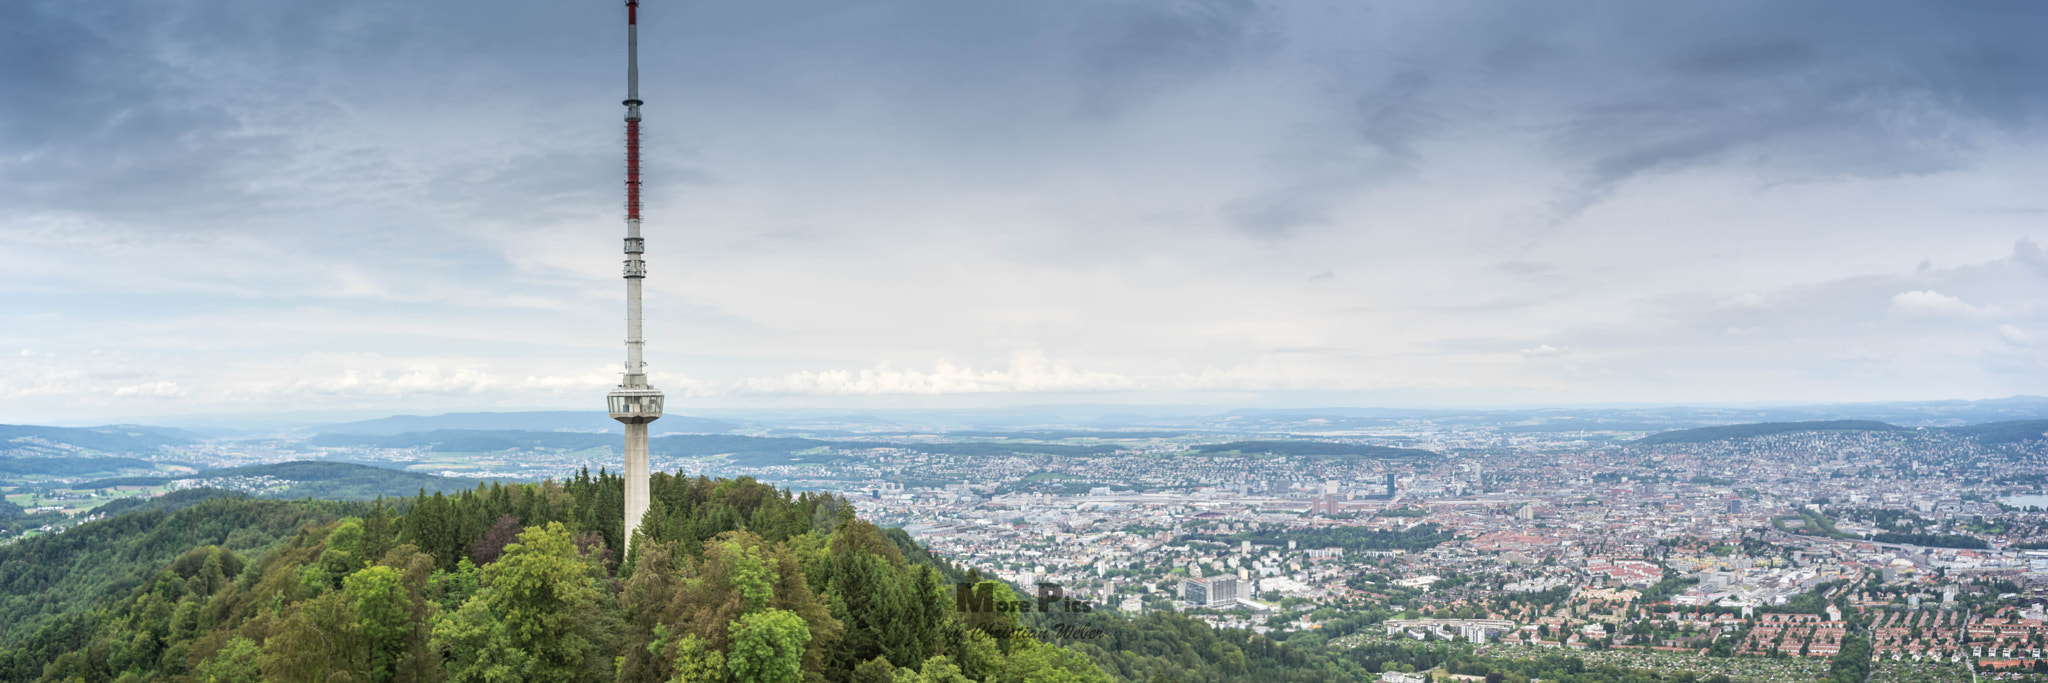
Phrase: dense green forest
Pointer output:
(731, 580)
(1165, 646)
(2005, 432)
(50, 585)
(1416, 538)
(1705, 434)
(1314, 448)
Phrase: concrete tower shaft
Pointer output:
(634, 402)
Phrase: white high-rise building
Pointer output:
(1222, 591)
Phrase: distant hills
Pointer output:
(29, 440)
(536, 421)
(466, 440)
(744, 449)
(1315, 449)
(483, 441)
(2013, 431)
(317, 479)
(1705, 434)
(2005, 432)
(1622, 418)
(1003, 431)
(71, 466)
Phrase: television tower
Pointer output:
(634, 402)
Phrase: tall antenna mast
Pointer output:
(634, 402)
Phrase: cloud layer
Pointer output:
(249, 205)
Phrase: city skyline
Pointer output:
(1214, 204)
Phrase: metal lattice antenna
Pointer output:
(634, 402)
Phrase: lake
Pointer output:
(2024, 501)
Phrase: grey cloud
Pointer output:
(1393, 117)
(92, 123)
(1746, 60)
(1389, 120)
(1278, 213)
(1621, 92)
(1155, 45)
(1871, 92)
(2030, 254)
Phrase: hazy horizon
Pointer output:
(1094, 415)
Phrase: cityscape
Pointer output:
(1756, 551)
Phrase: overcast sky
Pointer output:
(273, 205)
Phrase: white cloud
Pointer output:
(1932, 304)
(1543, 351)
(151, 390)
(1745, 301)
(2015, 336)
(1028, 372)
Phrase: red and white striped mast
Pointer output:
(634, 402)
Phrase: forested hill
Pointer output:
(676, 445)
(1322, 449)
(733, 581)
(48, 584)
(316, 479)
(2013, 431)
(541, 421)
(71, 466)
(32, 440)
(1706, 434)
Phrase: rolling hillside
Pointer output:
(34, 440)
(1743, 431)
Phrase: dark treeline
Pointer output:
(1744, 431)
(2014, 431)
(1932, 540)
(732, 580)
